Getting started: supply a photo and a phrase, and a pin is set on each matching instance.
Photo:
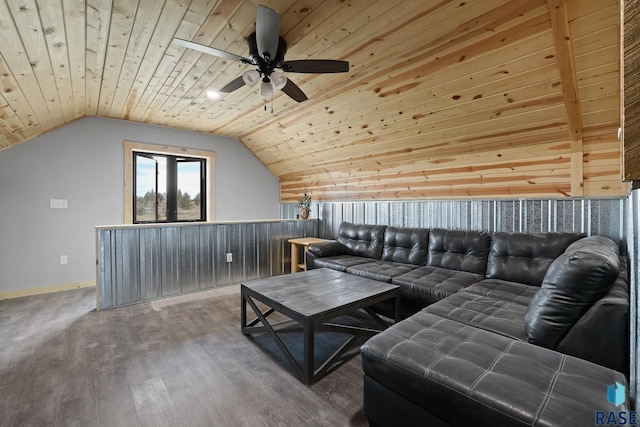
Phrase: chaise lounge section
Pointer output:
(431, 371)
(541, 316)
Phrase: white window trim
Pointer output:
(130, 147)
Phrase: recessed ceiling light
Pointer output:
(213, 94)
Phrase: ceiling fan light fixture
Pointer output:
(212, 94)
(251, 77)
(266, 89)
(279, 80)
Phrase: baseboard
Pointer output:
(46, 289)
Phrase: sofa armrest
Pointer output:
(323, 249)
(602, 334)
(327, 248)
(573, 283)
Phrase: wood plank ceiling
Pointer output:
(444, 99)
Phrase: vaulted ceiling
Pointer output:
(444, 99)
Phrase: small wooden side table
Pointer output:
(304, 242)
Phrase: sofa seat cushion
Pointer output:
(431, 284)
(513, 292)
(467, 376)
(382, 271)
(340, 262)
(500, 310)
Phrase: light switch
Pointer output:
(58, 203)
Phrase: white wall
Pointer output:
(83, 163)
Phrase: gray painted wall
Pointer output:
(83, 163)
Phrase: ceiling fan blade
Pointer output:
(315, 66)
(267, 31)
(294, 91)
(211, 50)
(234, 84)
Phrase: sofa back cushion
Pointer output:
(362, 239)
(525, 257)
(573, 283)
(406, 245)
(461, 250)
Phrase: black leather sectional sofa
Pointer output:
(500, 329)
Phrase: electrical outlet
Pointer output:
(63, 260)
(229, 257)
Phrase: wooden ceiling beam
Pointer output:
(568, 77)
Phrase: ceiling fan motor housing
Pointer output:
(258, 59)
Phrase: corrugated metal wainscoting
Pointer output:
(138, 263)
(604, 217)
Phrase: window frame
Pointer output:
(129, 190)
(134, 185)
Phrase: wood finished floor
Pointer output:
(175, 362)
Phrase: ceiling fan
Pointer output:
(266, 51)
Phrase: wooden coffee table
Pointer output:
(311, 299)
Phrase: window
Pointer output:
(167, 185)
(168, 188)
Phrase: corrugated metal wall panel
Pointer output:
(206, 258)
(188, 259)
(250, 253)
(128, 258)
(104, 267)
(150, 263)
(141, 263)
(170, 247)
(262, 263)
(592, 216)
(222, 271)
(236, 245)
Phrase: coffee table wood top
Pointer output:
(316, 293)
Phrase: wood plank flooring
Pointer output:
(175, 362)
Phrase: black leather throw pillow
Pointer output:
(573, 283)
